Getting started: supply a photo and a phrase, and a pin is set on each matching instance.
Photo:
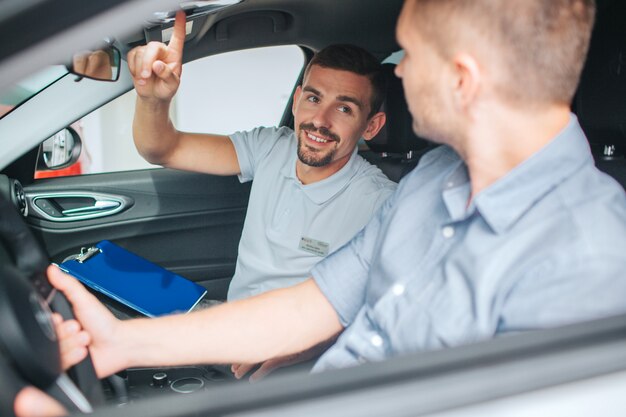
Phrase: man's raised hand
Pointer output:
(156, 67)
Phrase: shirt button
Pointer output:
(448, 232)
(376, 340)
(398, 289)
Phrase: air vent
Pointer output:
(19, 198)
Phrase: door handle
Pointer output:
(99, 207)
(73, 206)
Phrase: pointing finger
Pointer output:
(177, 41)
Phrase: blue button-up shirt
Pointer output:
(543, 246)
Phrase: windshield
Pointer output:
(29, 87)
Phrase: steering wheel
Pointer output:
(29, 349)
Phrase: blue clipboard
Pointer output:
(134, 281)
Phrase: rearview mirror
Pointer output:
(100, 64)
(60, 150)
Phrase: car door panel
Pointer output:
(186, 222)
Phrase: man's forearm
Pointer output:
(154, 133)
(274, 324)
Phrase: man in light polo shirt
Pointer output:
(312, 192)
(290, 226)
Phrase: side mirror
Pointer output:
(60, 150)
(100, 64)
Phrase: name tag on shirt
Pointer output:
(313, 246)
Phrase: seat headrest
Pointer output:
(397, 135)
(600, 101)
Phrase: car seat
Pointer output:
(600, 102)
(395, 149)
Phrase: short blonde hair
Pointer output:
(541, 44)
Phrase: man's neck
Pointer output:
(506, 138)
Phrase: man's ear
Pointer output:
(296, 99)
(467, 80)
(374, 124)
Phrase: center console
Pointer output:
(141, 383)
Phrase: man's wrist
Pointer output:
(129, 351)
(153, 104)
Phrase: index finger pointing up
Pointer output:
(178, 35)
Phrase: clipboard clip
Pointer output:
(88, 253)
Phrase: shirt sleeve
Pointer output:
(384, 195)
(343, 276)
(252, 147)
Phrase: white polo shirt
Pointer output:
(289, 226)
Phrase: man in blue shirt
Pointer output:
(507, 227)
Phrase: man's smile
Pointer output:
(316, 138)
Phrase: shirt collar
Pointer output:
(321, 191)
(505, 201)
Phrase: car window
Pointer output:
(27, 88)
(219, 94)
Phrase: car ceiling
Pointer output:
(42, 31)
(310, 23)
(45, 32)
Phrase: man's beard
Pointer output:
(315, 157)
